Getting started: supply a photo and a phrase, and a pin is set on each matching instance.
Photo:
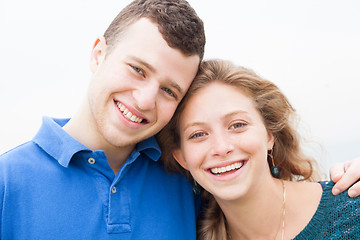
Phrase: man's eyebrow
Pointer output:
(152, 69)
(177, 87)
(142, 62)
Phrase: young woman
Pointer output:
(235, 133)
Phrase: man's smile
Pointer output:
(127, 114)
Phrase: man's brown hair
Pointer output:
(177, 21)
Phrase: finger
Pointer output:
(346, 181)
(337, 170)
(354, 190)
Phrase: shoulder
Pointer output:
(22, 163)
(335, 218)
(341, 203)
(341, 213)
(13, 156)
(341, 198)
(12, 164)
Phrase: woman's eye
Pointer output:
(237, 125)
(197, 135)
(138, 70)
(169, 92)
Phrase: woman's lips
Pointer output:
(226, 169)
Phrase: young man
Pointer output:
(96, 176)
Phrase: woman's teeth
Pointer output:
(127, 114)
(228, 168)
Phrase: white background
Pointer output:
(309, 48)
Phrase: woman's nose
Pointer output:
(222, 145)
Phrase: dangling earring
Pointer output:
(196, 188)
(274, 169)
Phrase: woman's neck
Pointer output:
(256, 215)
(259, 214)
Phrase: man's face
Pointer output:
(136, 88)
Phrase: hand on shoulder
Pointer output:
(346, 176)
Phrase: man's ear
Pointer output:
(178, 156)
(98, 53)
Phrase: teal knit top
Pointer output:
(337, 217)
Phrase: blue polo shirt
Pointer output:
(54, 187)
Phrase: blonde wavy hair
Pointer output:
(279, 118)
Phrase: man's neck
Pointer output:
(85, 131)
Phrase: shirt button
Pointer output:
(113, 190)
(91, 160)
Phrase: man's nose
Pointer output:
(145, 96)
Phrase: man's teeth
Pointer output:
(230, 167)
(128, 114)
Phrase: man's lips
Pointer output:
(227, 168)
(128, 114)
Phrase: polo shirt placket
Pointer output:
(113, 190)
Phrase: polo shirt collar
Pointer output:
(57, 142)
(150, 148)
(62, 146)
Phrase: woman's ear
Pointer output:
(178, 156)
(98, 53)
(271, 141)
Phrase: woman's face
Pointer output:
(224, 142)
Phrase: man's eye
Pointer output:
(138, 70)
(197, 135)
(169, 92)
